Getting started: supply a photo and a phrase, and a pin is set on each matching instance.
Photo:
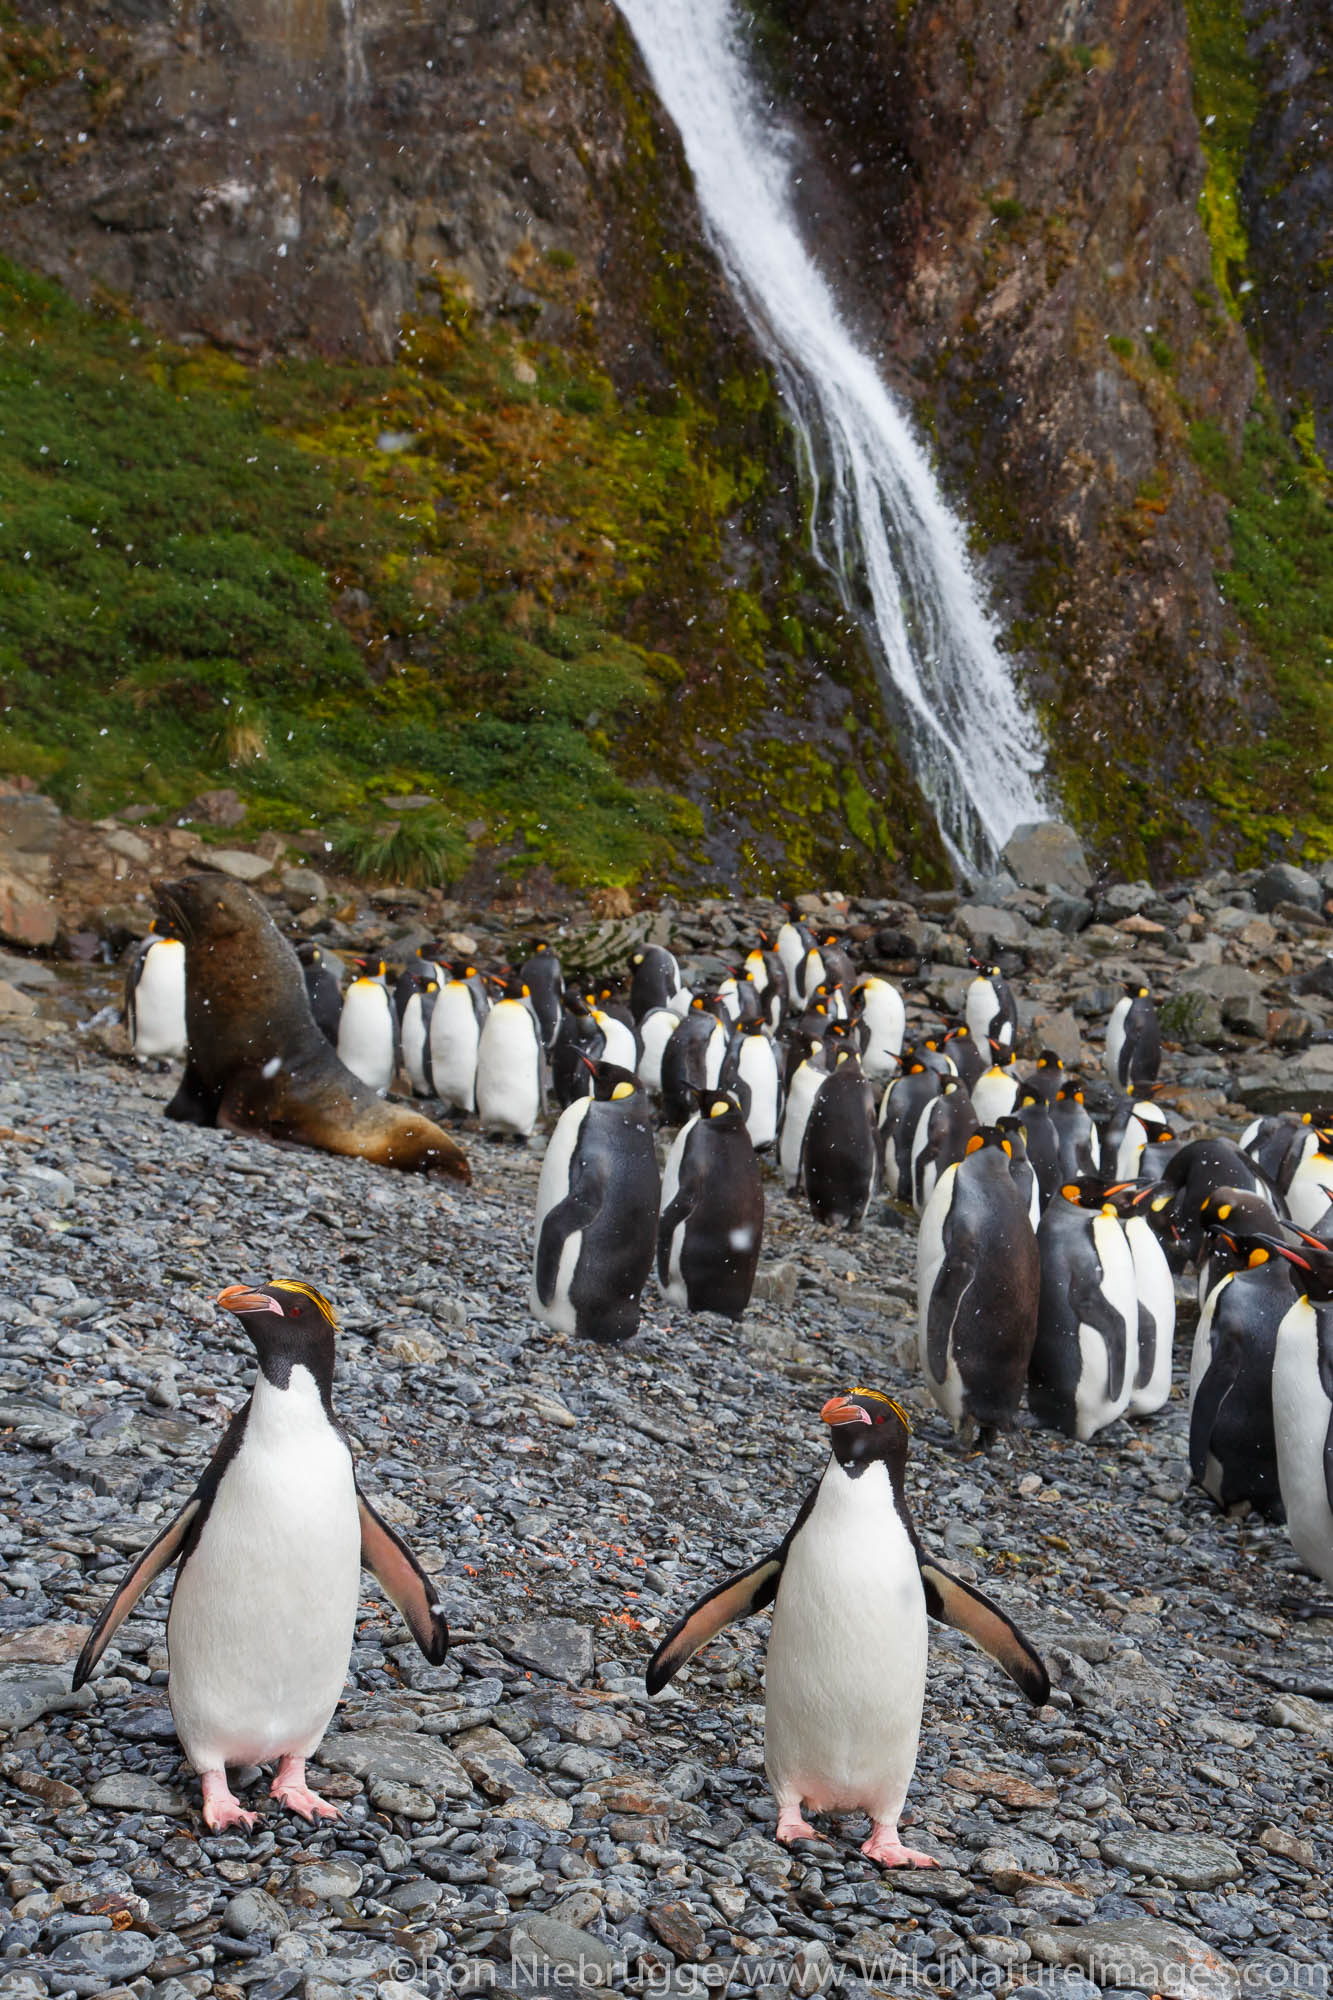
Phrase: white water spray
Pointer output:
(879, 523)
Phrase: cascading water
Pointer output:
(879, 523)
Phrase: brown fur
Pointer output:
(245, 1006)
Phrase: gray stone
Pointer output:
(254, 1913)
(560, 1648)
(135, 1791)
(100, 1960)
(1282, 883)
(236, 862)
(1047, 854)
(301, 887)
(539, 1940)
(492, 1762)
(326, 1875)
(1124, 899)
(30, 823)
(1192, 1017)
(129, 846)
(1059, 1032)
(1194, 1861)
(1221, 982)
(1302, 1082)
(27, 1693)
(986, 926)
(1069, 914)
(1299, 1712)
(399, 1756)
(1143, 1953)
(221, 807)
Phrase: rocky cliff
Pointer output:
(1024, 213)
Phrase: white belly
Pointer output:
(413, 1035)
(846, 1669)
(159, 1002)
(453, 1048)
(804, 1088)
(509, 1085)
(1094, 1405)
(1300, 1425)
(264, 1610)
(365, 1034)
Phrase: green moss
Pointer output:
(1119, 344)
(1226, 102)
(1276, 785)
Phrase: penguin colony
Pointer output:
(1054, 1216)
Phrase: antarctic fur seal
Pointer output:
(257, 1060)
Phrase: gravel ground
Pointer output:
(1163, 1825)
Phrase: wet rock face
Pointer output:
(1013, 196)
(271, 176)
(1287, 192)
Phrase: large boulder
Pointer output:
(1282, 883)
(1047, 854)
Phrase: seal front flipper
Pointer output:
(736, 1598)
(195, 1102)
(403, 1581)
(955, 1603)
(159, 1555)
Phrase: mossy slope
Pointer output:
(463, 576)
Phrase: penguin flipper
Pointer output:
(951, 1288)
(736, 1598)
(568, 1216)
(1218, 1381)
(1094, 1309)
(955, 1603)
(403, 1581)
(159, 1555)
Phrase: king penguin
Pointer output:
(1133, 1039)
(802, 1090)
(1232, 1445)
(1085, 1357)
(323, 983)
(654, 980)
(269, 1549)
(978, 1285)
(461, 1005)
(989, 1008)
(541, 973)
(367, 1028)
(751, 1071)
(712, 1217)
(1303, 1407)
(882, 1010)
(842, 1155)
(510, 1094)
(597, 1204)
(155, 999)
(851, 1589)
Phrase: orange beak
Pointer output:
(240, 1299)
(842, 1410)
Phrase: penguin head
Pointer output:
(290, 1324)
(721, 1110)
(866, 1426)
(611, 1083)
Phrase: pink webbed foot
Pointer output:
(289, 1789)
(222, 1809)
(885, 1847)
(792, 1827)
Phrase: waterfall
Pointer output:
(878, 521)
